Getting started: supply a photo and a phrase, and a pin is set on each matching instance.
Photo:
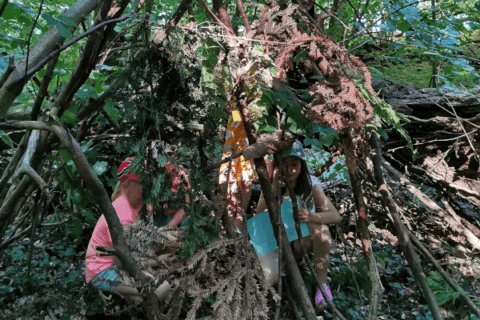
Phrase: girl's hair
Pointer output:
(117, 191)
(303, 188)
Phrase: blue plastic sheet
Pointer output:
(261, 233)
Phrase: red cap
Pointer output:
(122, 172)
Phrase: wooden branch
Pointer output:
(43, 62)
(162, 35)
(452, 221)
(461, 293)
(13, 162)
(96, 104)
(210, 13)
(25, 166)
(223, 16)
(9, 204)
(110, 120)
(87, 63)
(31, 32)
(402, 232)
(42, 48)
(191, 16)
(266, 144)
(241, 10)
(310, 266)
(297, 283)
(102, 200)
(2, 8)
(42, 92)
(9, 70)
(110, 251)
(29, 125)
(362, 223)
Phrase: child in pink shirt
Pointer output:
(102, 270)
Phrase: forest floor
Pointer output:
(55, 288)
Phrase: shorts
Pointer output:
(108, 279)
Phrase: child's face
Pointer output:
(293, 165)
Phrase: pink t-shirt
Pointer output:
(97, 261)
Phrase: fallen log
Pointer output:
(411, 100)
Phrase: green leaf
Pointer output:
(162, 160)
(6, 139)
(68, 21)
(49, 19)
(13, 11)
(86, 92)
(300, 57)
(69, 118)
(311, 142)
(63, 31)
(110, 109)
(100, 167)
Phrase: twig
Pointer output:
(43, 90)
(278, 225)
(30, 35)
(10, 240)
(42, 63)
(463, 129)
(13, 162)
(333, 16)
(36, 212)
(110, 120)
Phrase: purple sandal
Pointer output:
(319, 297)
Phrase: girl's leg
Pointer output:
(321, 242)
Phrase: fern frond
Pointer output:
(237, 303)
(176, 304)
(191, 315)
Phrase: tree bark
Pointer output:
(163, 34)
(362, 224)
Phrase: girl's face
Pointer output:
(294, 166)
